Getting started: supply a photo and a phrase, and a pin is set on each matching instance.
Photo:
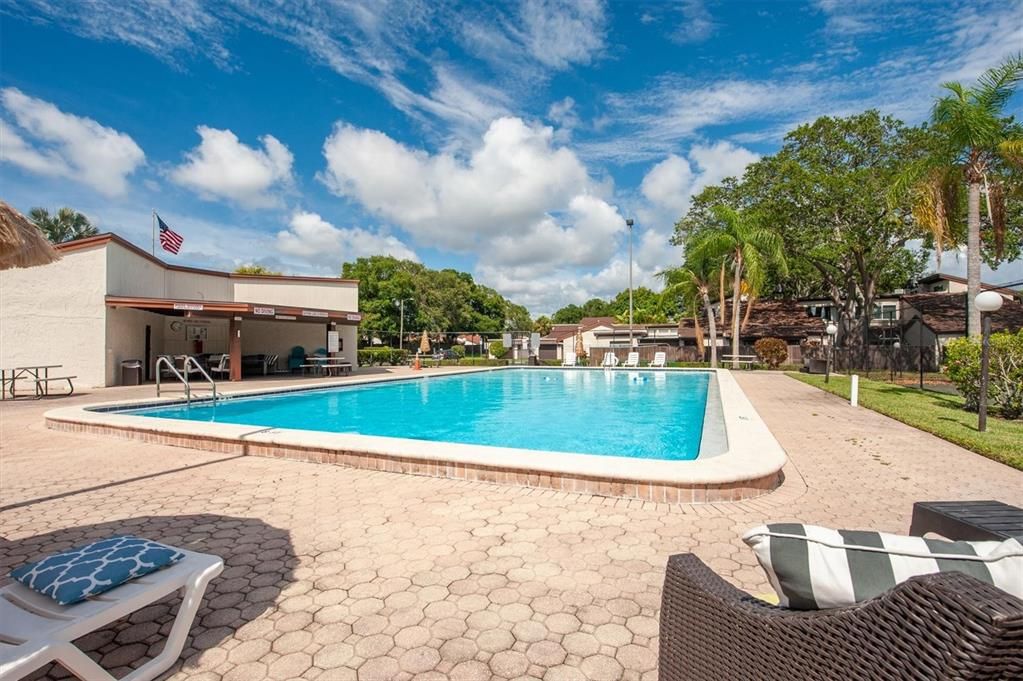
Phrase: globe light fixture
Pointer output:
(831, 330)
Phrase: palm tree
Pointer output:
(692, 281)
(67, 225)
(974, 139)
(748, 247)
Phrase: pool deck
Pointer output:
(341, 573)
(750, 465)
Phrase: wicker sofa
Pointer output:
(945, 626)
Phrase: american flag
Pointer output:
(169, 239)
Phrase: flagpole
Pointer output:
(154, 232)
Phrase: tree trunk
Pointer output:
(721, 296)
(749, 310)
(973, 259)
(713, 331)
(699, 331)
(736, 304)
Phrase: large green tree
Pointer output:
(255, 269)
(692, 283)
(434, 300)
(67, 225)
(976, 145)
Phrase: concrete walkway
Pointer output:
(337, 573)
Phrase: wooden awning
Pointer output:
(213, 308)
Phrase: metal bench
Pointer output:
(967, 520)
(43, 385)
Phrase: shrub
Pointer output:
(1005, 375)
(497, 349)
(382, 355)
(771, 351)
(458, 351)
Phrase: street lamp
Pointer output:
(896, 346)
(628, 223)
(831, 330)
(401, 324)
(987, 302)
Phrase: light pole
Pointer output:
(831, 330)
(896, 352)
(987, 302)
(629, 223)
(401, 324)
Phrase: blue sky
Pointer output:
(509, 140)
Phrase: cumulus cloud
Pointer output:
(47, 141)
(517, 187)
(313, 239)
(225, 168)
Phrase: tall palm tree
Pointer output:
(974, 138)
(748, 247)
(693, 281)
(67, 225)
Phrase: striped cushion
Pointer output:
(813, 567)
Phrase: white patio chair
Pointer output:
(569, 360)
(35, 630)
(632, 360)
(223, 366)
(660, 360)
(610, 360)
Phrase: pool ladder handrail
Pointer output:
(189, 360)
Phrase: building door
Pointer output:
(149, 352)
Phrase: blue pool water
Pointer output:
(642, 414)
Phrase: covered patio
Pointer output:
(249, 334)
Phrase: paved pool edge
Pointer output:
(749, 468)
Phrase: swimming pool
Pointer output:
(635, 414)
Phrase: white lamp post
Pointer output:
(896, 346)
(831, 330)
(987, 302)
(629, 223)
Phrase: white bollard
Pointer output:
(854, 392)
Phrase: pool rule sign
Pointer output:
(333, 342)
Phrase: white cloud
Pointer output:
(670, 184)
(313, 239)
(559, 33)
(50, 142)
(223, 167)
(512, 183)
(696, 25)
(564, 114)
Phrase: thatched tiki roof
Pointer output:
(21, 242)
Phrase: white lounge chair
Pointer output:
(610, 360)
(632, 361)
(660, 360)
(569, 360)
(35, 630)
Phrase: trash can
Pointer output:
(131, 372)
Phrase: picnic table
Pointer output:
(39, 374)
(327, 366)
(748, 360)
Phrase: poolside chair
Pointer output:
(35, 630)
(269, 364)
(632, 360)
(610, 360)
(296, 358)
(320, 352)
(660, 361)
(569, 360)
(222, 367)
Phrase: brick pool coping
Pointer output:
(750, 467)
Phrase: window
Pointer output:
(885, 312)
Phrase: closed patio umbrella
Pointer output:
(21, 242)
(579, 348)
(424, 344)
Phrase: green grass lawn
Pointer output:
(934, 412)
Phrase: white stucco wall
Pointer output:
(126, 339)
(55, 314)
(326, 295)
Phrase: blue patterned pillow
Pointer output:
(74, 575)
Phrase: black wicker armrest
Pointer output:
(946, 626)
